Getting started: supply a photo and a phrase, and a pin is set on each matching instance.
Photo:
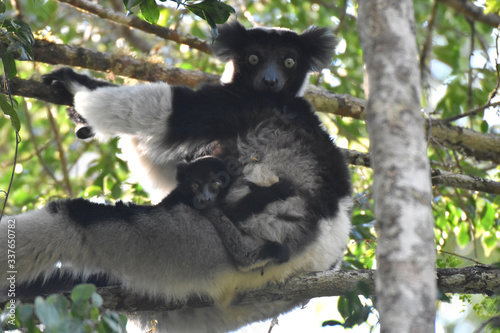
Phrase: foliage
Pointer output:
(56, 313)
(15, 37)
(492, 6)
(213, 11)
(352, 309)
(459, 74)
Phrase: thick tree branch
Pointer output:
(75, 56)
(479, 279)
(330, 102)
(137, 23)
(474, 12)
(482, 146)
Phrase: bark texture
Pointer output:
(478, 279)
(405, 280)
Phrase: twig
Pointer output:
(60, 149)
(494, 92)
(18, 140)
(42, 148)
(472, 112)
(38, 152)
(341, 18)
(476, 13)
(471, 71)
(462, 257)
(472, 228)
(428, 41)
(137, 23)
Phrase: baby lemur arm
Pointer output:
(247, 252)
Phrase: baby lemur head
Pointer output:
(203, 182)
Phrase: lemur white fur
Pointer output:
(139, 119)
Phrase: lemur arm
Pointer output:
(151, 110)
(248, 253)
(258, 198)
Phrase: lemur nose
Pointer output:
(270, 82)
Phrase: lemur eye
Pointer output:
(289, 63)
(194, 187)
(216, 184)
(253, 59)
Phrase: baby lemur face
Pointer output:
(205, 181)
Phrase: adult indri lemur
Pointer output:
(257, 121)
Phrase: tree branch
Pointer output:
(135, 22)
(482, 146)
(127, 66)
(474, 12)
(473, 183)
(480, 279)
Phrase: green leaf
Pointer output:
(359, 219)
(484, 126)
(343, 307)
(331, 323)
(213, 11)
(9, 111)
(9, 65)
(443, 297)
(2, 7)
(488, 217)
(82, 292)
(113, 322)
(96, 300)
(150, 11)
(453, 261)
(52, 311)
(463, 237)
(129, 4)
(490, 241)
(81, 296)
(20, 39)
(92, 191)
(492, 6)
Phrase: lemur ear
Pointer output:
(227, 44)
(318, 45)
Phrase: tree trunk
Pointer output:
(405, 280)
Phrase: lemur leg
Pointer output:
(249, 253)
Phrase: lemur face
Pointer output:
(275, 61)
(204, 181)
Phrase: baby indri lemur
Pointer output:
(203, 185)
